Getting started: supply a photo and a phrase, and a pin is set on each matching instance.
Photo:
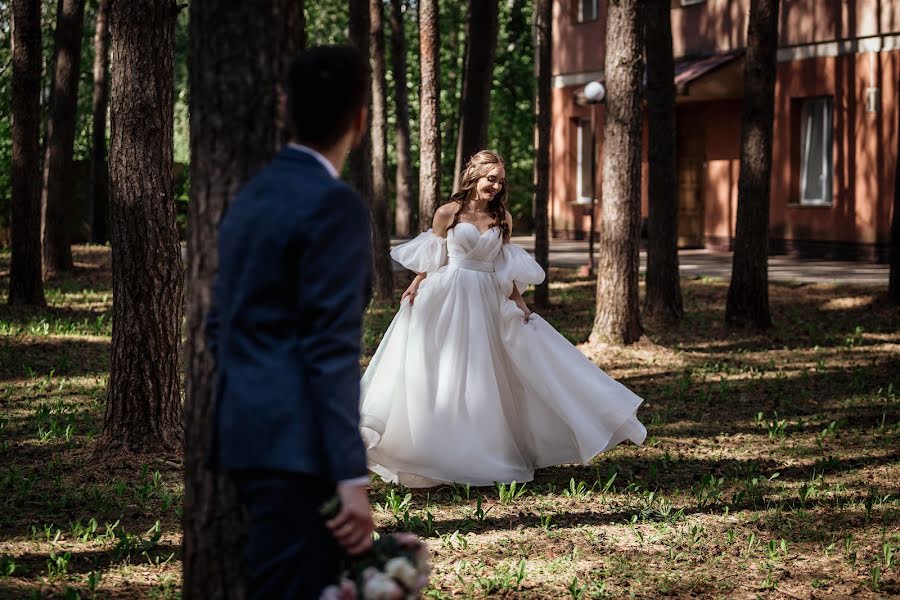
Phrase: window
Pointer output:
(584, 180)
(587, 10)
(691, 2)
(815, 151)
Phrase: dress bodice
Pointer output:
(466, 241)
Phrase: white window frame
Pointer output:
(582, 137)
(827, 151)
(579, 13)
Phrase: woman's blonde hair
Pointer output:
(479, 166)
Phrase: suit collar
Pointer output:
(308, 156)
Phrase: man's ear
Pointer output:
(360, 125)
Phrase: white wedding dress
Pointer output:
(463, 390)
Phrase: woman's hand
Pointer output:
(523, 307)
(412, 290)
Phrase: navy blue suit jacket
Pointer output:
(292, 285)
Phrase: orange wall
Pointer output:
(864, 149)
(721, 25)
(578, 47)
(864, 153)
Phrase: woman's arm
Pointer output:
(413, 288)
(516, 296)
(443, 217)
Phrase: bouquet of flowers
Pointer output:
(395, 568)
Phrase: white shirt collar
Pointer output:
(317, 155)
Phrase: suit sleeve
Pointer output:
(334, 275)
(211, 329)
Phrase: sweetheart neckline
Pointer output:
(483, 233)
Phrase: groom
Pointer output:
(292, 285)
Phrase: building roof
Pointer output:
(690, 69)
(706, 73)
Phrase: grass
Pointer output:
(771, 469)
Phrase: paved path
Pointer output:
(706, 263)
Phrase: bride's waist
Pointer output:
(472, 265)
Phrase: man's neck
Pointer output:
(336, 155)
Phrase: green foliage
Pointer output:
(510, 131)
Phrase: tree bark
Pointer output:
(143, 403)
(98, 194)
(61, 138)
(618, 316)
(543, 25)
(379, 207)
(663, 287)
(481, 45)
(405, 208)
(234, 132)
(894, 277)
(25, 283)
(290, 27)
(512, 88)
(429, 113)
(748, 293)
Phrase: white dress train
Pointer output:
(462, 390)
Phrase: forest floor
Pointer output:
(771, 469)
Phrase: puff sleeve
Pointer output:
(425, 253)
(514, 266)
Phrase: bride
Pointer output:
(468, 385)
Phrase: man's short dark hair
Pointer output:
(327, 86)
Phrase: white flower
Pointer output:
(382, 587)
(403, 571)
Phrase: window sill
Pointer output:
(799, 205)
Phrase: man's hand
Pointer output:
(353, 526)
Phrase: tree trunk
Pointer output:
(618, 317)
(98, 194)
(228, 90)
(25, 283)
(143, 403)
(290, 26)
(543, 25)
(404, 212)
(748, 294)
(894, 278)
(663, 291)
(512, 89)
(454, 27)
(378, 201)
(429, 113)
(55, 200)
(481, 44)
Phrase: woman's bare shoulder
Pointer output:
(448, 210)
(443, 217)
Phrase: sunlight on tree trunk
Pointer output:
(618, 314)
(429, 113)
(378, 201)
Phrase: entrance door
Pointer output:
(690, 179)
